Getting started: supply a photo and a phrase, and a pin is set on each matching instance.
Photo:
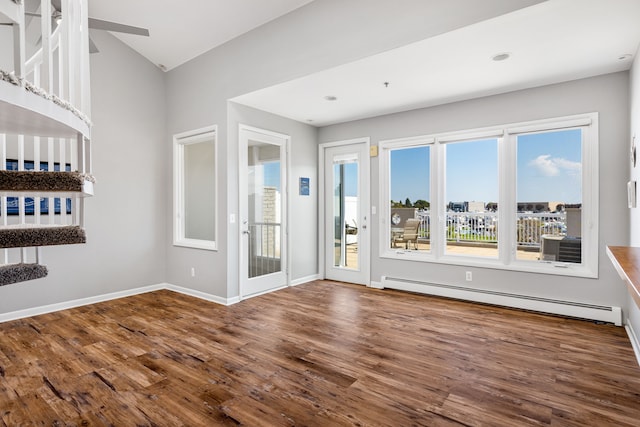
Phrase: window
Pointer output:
(520, 197)
(194, 189)
(471, 183)
(549, 196)
(410, 179)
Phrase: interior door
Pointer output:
(346, 212)
(263, 211)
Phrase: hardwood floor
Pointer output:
(320, 354)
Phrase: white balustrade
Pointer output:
(58, 69)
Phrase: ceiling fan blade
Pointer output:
(99, 24)
(92, 46)
(57, 5)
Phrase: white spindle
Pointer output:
(62, 60)
(3, 200)
(50, 166)
(21, 200)
(81, 154)
(19, 43)
(85, 105)
(36, 167)
(63, 202)
(47, 66)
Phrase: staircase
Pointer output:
(45, 145)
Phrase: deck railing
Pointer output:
(482, 227)
(264, 248)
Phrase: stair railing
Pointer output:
(58, 71)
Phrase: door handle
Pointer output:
(246, 232)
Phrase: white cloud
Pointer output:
(553, 166)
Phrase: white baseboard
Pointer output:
(35, 311)
(635, 343)
(376, 285)
(268, 291)
(526, 302)
(306, 279)
(202, 295)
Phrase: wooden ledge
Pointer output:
(626, 260)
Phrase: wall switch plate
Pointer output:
(468, 276)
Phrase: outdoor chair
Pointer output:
(409, 234)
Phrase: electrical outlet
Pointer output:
(193, 272)
(468, 276)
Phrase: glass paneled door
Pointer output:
(346, 198)
(263, 203)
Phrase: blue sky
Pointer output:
(548, 169)
(410, 174)
(272, 174)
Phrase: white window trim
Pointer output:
(179, 141)
(506, 136)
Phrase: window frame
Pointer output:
(179, 142)
(506, 135)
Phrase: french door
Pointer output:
(346, 236)
(263, 211)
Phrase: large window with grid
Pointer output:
(519, 196)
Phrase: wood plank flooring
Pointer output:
(320, 354)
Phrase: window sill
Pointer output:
(543, 267)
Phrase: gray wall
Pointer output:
(634, 234)
(125, 220)
(607, 95)
(317, 36)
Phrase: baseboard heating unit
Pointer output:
(544, 305)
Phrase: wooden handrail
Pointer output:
(626, 261)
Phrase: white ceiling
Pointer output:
(180, 31)
(551, 42)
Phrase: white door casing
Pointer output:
(345, 211)
(263, 211)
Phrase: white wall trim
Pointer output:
(257, 294)
(525, 302)
(376, 285)
(635, 343)
(365, 195)
(201, 295)
(304, 280)
(50, 308)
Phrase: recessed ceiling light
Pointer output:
(501, 56)
(625, 57)
(330, 98)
